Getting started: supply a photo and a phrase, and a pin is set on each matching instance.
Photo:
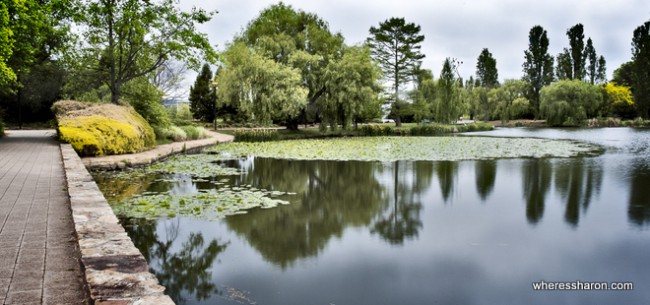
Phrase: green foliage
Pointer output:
(261, 88)
(183, 115)
(352, 89)
(618, 101)
(448, 105)
(145, 99)
(256, 135)
(2, 128)
(596, 69)
(129, 39)
(203, 96)
(538, 67)
(7, 40)
(483, 107)
(510, 100)
(487, 74)
(102, 129)
(296, 41)
(570, 102)
(624, 75)
(577, 51)
(640, 68)
(396, 47)
(374, 130)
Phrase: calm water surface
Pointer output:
(470, 232)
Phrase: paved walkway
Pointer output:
(39, 256)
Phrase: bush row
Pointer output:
(256, 135)
(183, 133)
(422, 130)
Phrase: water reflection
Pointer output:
(537, 174)
(401, 220)
(447, 172)
(486, 175)
(639, 202)
(331, 196)
(578, 182)
(186, 269)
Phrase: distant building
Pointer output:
(174, 103)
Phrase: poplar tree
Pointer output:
(538, 67)
(640, 67)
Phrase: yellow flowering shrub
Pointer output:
(102, 129)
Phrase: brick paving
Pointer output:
(39, 255)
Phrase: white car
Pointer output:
(387, 121)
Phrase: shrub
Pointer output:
(203, 133)
(177, 134)
(191, 132)
(431, 130)
(102, 129)
(376, 130)
(256, 135)
(2, 128)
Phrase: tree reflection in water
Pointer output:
(185, 272)
(402, 219)
(331, 195)
(537, 174)
(486, 175)
(639, 202)
(578, 181)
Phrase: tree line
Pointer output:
(287, 67)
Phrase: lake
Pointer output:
(414, 232)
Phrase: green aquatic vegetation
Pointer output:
(410, 148)
(210, 204)
(200, 166)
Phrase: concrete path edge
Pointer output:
(115, 270)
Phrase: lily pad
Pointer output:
(210, 204)
(200, 166)
(410, 148)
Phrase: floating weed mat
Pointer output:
(207, 205)
(200, 165)
(410, 148)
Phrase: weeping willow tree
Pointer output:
(262, 89)
(352, 89)
(448, 105)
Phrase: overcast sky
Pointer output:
(457, 28)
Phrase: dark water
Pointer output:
(470, 232)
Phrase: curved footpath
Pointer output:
(45, 233)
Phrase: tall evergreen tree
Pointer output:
(538, 67)
(396, 46)
(592, 61)
(203, 96)
(601, 71)
(577, 50)
(564, 68)
(640, 69)
(486, 70)
(596, 70)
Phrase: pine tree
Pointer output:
(486, 70)
(203, 97)
(396, 47)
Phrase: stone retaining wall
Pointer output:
(116, 272)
